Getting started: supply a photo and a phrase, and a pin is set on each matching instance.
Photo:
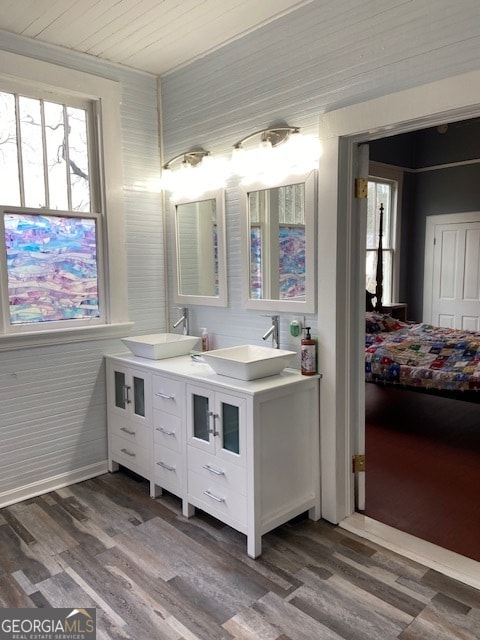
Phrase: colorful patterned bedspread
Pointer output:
(421, 355)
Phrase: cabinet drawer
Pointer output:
(167, 430)
(223, 473)
(167, 468)
(168, 395)
(130, 454)
(219, 500)
(133, 433)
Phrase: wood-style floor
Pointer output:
(151, 574)
(423, 466)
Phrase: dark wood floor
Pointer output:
(423, 466)
(153, 575)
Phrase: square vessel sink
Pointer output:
(157, 346)
(248, 362)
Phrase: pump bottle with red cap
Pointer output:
(308, 354)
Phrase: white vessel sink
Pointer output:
(248, 362)
(157, 346)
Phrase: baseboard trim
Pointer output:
(430, 555)
(52, 484)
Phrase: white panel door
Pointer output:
(453, 269)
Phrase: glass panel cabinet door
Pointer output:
(120, 386)
(201, 417)
(129, 393)
(230, 427)
(216, 423)
(139, 396)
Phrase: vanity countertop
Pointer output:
(196, 370)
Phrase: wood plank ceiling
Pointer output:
(149, 35)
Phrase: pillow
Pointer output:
(376, 322)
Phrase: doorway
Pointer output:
(423, 451)
(341, 321)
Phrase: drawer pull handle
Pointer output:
(165, 431)
(217, 472)
(128, 453)
(130, 433)
(213, 496)
(165, 466)
(160, 394)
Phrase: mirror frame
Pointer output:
(296, 306)
(215, 301)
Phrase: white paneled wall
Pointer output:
(321, 57)
(52, 400)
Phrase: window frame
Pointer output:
(53, 82)
(379, 172)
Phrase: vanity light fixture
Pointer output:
(282, 151)
(269, 137)
(190, 174)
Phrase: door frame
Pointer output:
(340, 317)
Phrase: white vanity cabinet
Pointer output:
(216, 454)
(246, 452)
(253, 456)
(129, 413)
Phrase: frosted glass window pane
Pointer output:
(32, 152)
(56, 156)
(139, 396)
(78, 159)
(51, 268)
(120, 389)
(231, 428)
(9, 179)
(201, 423)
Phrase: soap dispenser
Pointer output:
(205, 344)
(308, 354)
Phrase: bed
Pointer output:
(420, 356)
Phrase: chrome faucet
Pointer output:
(274, 331)
(182, 320)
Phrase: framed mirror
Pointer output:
(199, 265)
(279, 245)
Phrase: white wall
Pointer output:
(52, 399)
(320, 58)
(324, 56)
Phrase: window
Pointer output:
(51, 259)
(382, 191)
(57, 147)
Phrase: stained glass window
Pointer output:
(51, 268)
